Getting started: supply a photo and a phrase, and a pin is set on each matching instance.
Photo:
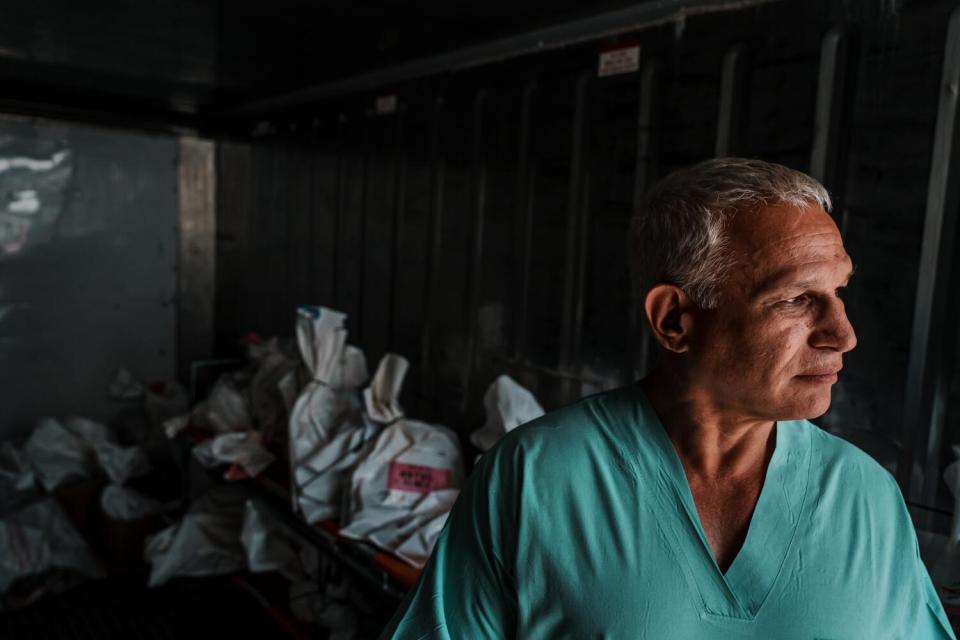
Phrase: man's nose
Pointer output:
(833, 330)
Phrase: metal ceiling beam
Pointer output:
(640, 16)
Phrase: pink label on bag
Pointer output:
(416, 478)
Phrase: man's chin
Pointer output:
(806, 407)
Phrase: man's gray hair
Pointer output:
(677, 235)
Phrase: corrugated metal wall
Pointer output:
(481, 228)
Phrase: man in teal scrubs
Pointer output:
(698, 503)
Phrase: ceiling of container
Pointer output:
(180, 60)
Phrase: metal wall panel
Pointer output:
(323, 212)
(552, 137)
(495, 240)
(613, 141)
(448, 296)
(298, 208)
(233, 243)
(88, 254)
(409, 278)
(349, 275)
(383, 163)
(497, 262)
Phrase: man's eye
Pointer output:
(794, 302)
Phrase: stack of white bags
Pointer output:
(243, 413)
(356, 458)
(389, 480)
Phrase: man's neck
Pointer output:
(712, 441)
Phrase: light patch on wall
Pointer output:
(6, 309)
(13, 233)
(33, 164)
(25, 202)
(32, 188)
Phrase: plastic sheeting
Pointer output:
(60, 452)
(39, 537)
(205, 542)
(243, 448)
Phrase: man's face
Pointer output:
(774, 345)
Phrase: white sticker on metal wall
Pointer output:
(386, 104)
(620, 60)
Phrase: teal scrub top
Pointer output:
(581, 524)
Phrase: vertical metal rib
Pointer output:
(835, 92)
(922, 421)
(574, 230)
(526, 179)
(730, 114)
(312, 186)
(338, 214)
(433, 250)
(356, 324)
(399, 203)
(645, 170)
(478, 194)
(640, 350)
(582, 252)
(830, 51)
(197, 192)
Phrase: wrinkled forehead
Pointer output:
(783, 238)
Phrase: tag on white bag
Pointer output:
(415, 478)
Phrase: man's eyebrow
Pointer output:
(782, 279)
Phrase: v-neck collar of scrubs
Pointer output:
(742, 590)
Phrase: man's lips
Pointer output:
(821, 375)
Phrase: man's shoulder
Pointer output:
(842, 462)
(572, 429)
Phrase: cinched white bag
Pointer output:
(402, 491)
(508, 405)
(205, 542)
(327, 404)
(355, 438)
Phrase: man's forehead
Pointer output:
(784, 242)
(785, 226)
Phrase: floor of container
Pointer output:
(124, 608)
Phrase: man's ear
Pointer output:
(669, 312)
